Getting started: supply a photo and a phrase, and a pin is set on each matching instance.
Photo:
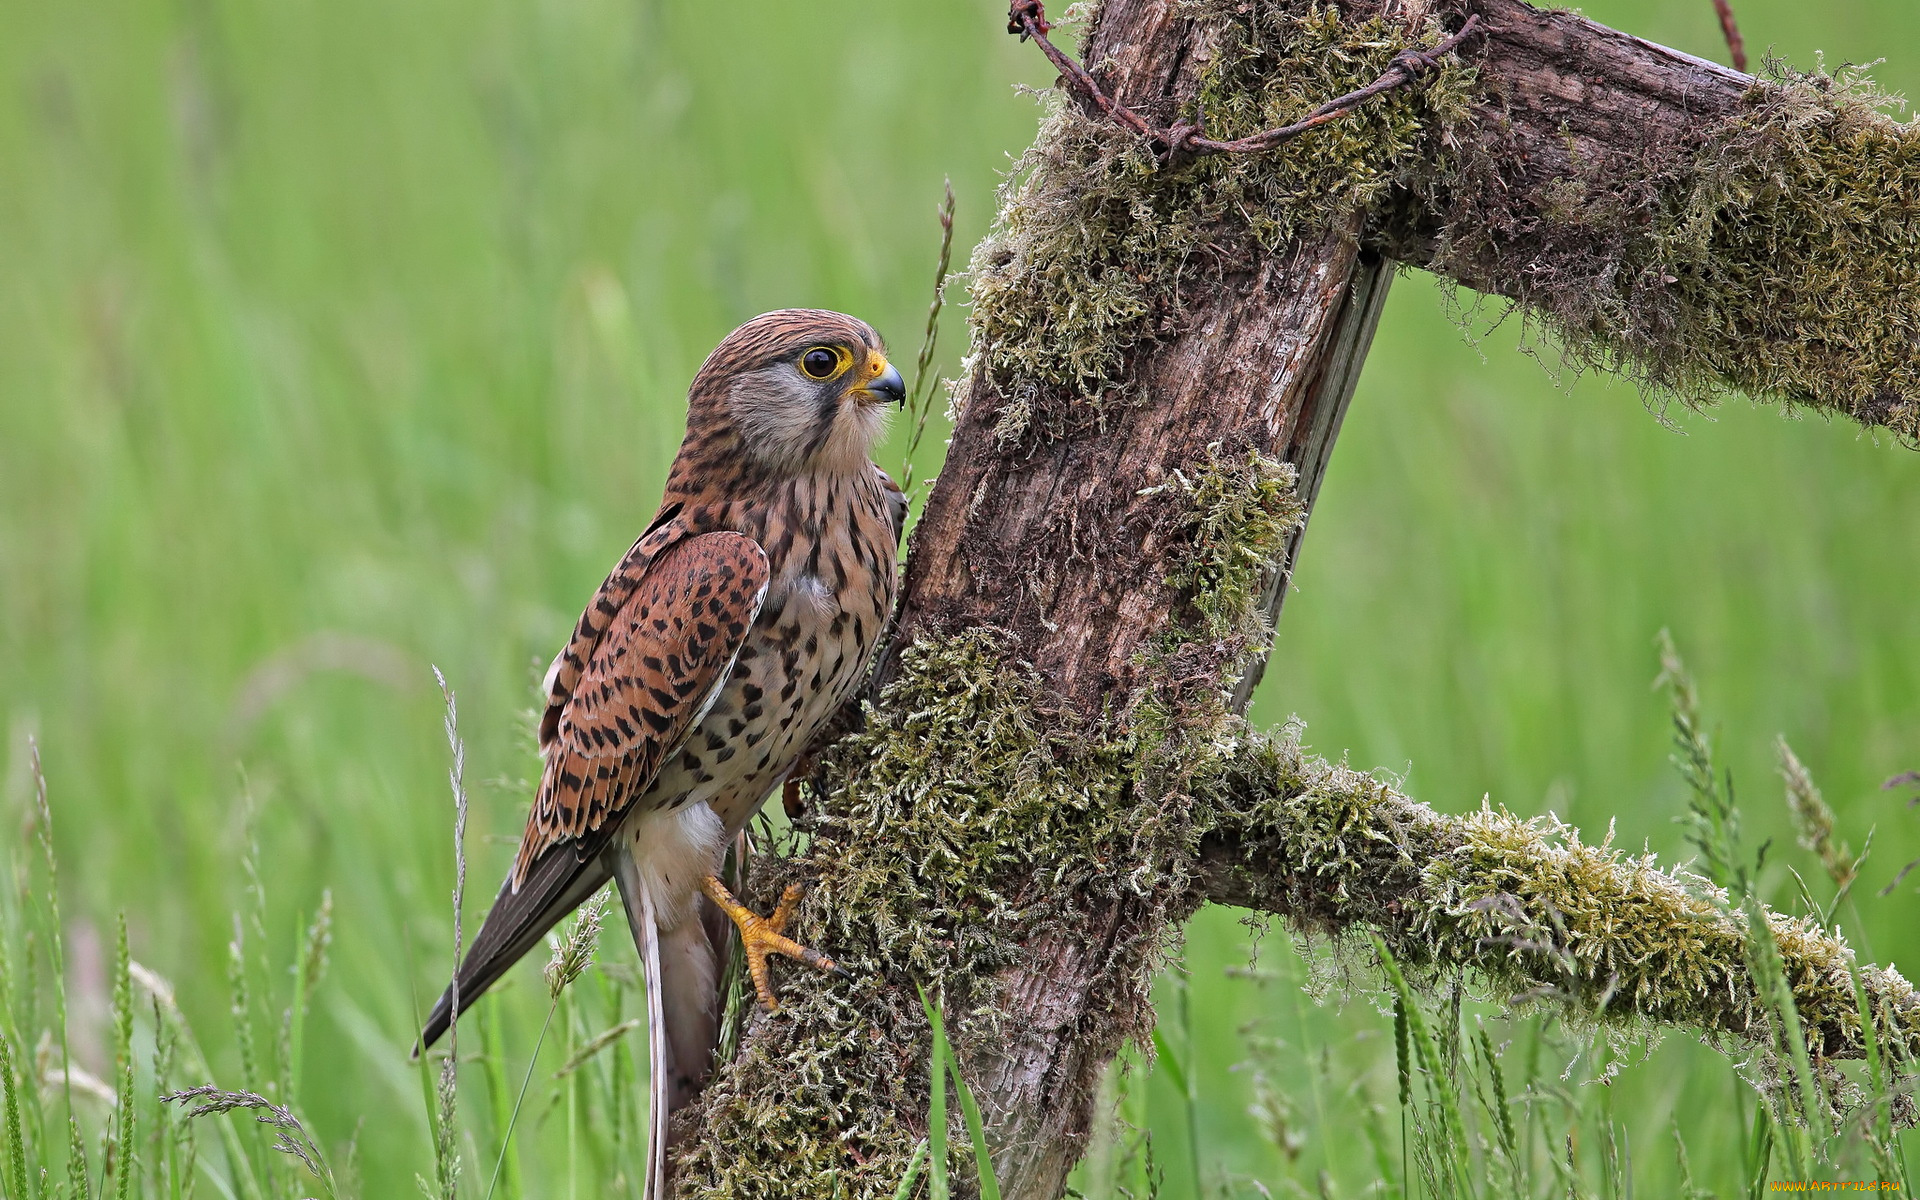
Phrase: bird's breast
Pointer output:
(831, 556)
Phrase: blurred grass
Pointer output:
(340, 339)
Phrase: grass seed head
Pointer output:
(573, 954)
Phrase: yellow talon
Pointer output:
(761, 936)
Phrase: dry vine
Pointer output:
(1736, 45)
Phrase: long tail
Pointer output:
(557, 885)
(682, 1007)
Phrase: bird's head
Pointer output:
(802, 389)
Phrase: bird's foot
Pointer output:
(761, 936)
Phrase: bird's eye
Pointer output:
(820, 363)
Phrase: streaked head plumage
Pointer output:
(803, 389)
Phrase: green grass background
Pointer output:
(340, 339)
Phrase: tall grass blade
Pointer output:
(1758, 1147)
(1453, 1132)
(165, 1137)
(1165, 1057)
(43, 829)
(1801, 1118)
(240, 1006)
(122, 1160)
(1808, 1101)
(307, 975)
(1880, 1140)
(167, 1015)
(911, 1176)
(1689, 1190)
(736, 997)
(1189, 1098)
(493, 1052)
(976, 1133)
(79, 1186)
(1403, 1073)
(1384, 1167)
(1813, 820)
(941, 1066)
(1500, 1112)
(446, 1153)
(242, 1154)
(16, 1144)
(500, 1103)
(290, 1137)
(1713, 821)
(937, 1183)
(572, 955)
(594, 1045)
(506, 1135)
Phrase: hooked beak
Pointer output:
(888, 387)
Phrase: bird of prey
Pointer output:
(734, 629)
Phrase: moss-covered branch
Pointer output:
(1055, 775)
(975, 826)
(1527, 906)
(1698, 230)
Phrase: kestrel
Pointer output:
(732, 631)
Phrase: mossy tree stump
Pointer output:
(1053, 773)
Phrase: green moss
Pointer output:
(1097, 244)
(964, 817)
(1775, 252)
(1235, 515)
(1527, 907)
(1241, 513)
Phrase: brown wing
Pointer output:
(664, 654)
(564, 674)
(659, 657)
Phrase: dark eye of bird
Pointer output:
(819, 363)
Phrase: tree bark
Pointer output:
(1060, 548)
(1562, 93)
(1057, 544)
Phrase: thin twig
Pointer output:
(922, 394)
(1181, 140)
(1028, 19)
(1736, 45)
